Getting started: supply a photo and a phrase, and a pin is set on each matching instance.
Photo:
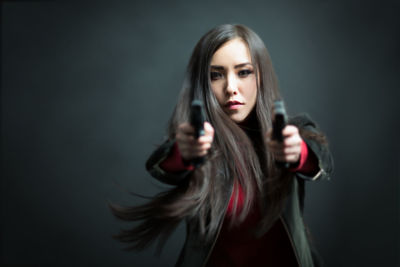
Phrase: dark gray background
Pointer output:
(87, 90)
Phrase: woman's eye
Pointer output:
(245, 73)
(215, 75)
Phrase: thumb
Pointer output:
(208, 129)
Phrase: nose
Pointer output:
(232, 85)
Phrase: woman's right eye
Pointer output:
(215, 75)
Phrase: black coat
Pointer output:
(195, 253)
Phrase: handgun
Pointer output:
(279, 123)
(197, 119)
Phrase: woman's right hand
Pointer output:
(191, 148)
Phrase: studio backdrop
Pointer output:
(87, 90)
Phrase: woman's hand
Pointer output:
(191, 148)
(289, 150)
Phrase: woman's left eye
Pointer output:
(245, 73)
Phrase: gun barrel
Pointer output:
(197, 119)
(279, 124)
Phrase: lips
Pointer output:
(233, 105)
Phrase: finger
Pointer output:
(186, 128)
(206, 146)
(183, 137)
(281, 149)
(294, 140)
(290, 130)
(203, 153)
(292, 158)
(286, 151)
(289, 160)
(199, 148)
(205, 139)
(291, 150)
(209, 130)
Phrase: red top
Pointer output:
(237, 246)
(174, 162)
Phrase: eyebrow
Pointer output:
(217, 67)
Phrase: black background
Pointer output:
(87, 89)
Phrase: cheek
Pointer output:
(251, 92)
(218, 91)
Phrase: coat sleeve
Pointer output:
(320, 150)
(157, 157)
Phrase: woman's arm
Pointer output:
(170, 163)
(155, 162)
(317, 148)
(304, 147)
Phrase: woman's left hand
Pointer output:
(290, 149)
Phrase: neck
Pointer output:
(250, 124)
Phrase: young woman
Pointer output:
(239, 206)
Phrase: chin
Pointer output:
(238, 119)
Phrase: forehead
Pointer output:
(233, 52)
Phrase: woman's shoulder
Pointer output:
(302, 120)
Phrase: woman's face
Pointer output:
(233, 79)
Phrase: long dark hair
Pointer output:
(233, 158)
